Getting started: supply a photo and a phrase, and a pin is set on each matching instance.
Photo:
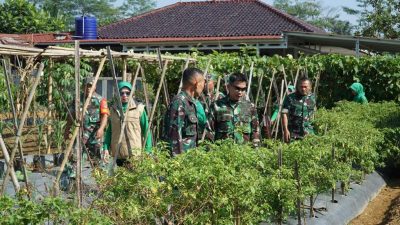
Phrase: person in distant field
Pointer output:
(297, 112)
(94, 121)
(357, 90)
(137, 125)
(181, 126)
(233, 116)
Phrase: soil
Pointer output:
(384, 209)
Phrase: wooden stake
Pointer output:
(76, 129)
(7, 160)
(146, 97)
(269, 93)
(280, 110)
(298, 201)
(297, 76)
(14, 113)
(333, 189)
(284, 77)
(78, 151)
(165, 87)
(124, 69)
(21, 126)
(250, 80)
(203, 136)
(260, 80)
(49, 102)
(217, 90)
(153, 110)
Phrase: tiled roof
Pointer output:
(13, 39)
(223, 18)
(31, 39)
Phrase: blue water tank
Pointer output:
(86, 27)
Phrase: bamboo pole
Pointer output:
(269, 94)
(7, 160)
(50, 102)
(21, 126)
(297, 76)
(124, 68)
(298, 201)
(76, 129)
(165, 87)
(260, 80)
(203, 136)
(14, 113)
(217, 89)
(185, 67)
(280, 110)
(250, 80)
(284, 77)
(123, 125)
(146, 96)
(78, 151)
(333, 154)
(153, 110)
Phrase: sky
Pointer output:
(326, 4)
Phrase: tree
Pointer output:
(135, 7)
(377, 18)
(20, 16)
(312, 12)
(103, 10)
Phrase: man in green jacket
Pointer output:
(297, 112)
(233, 116)
(181, 124)
(358, 92)
(136, 125)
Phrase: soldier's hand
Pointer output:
(286, 136)
(99, 133)
(105, 156)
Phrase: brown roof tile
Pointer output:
(224, 18)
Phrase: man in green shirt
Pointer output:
(233, 116)
(136, 125)
(297, 112)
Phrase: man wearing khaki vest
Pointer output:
(136, 125)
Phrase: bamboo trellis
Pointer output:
(34, 56)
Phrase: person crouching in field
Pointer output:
(136, 125)
(357, 90)
(297, 112)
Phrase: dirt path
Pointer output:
(384, 209)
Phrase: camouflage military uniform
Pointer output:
(300, 110)
(236, 120)
(91, 123)
(181, 124)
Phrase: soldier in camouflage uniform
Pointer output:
(233, 116)
(94, 121)
(297, 112)
(181, 124)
